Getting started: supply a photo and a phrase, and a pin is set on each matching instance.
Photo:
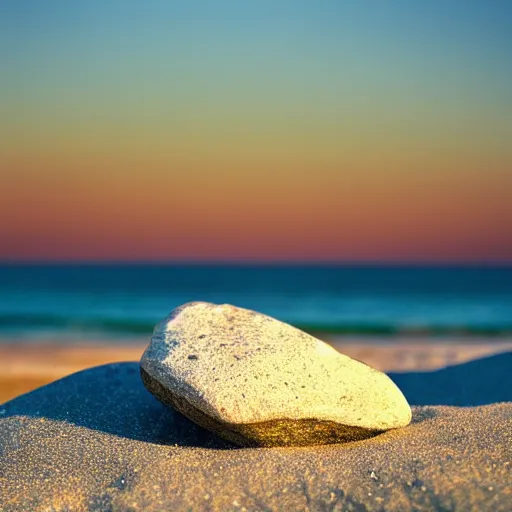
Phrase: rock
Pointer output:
(257, 381)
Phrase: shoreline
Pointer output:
(25, 366)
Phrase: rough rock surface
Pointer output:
(257, 381)
(97, 441)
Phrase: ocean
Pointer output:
(77, 302)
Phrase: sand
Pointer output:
(26, 366)
(98, 441)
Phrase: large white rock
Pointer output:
(260, 382)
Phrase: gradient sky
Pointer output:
(269, 130)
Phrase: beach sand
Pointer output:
(26, 366)
(98, 441)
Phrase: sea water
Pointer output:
(118, 301)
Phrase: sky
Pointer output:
(345, 131)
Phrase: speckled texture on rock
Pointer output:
(257, 381)
(97, 441)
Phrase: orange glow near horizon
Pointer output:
(106, 209)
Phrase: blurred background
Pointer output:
(345, 166)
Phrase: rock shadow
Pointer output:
(479, 382)
(112, 399)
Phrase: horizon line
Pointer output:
(260, 263)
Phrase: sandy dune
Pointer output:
(98, 441)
